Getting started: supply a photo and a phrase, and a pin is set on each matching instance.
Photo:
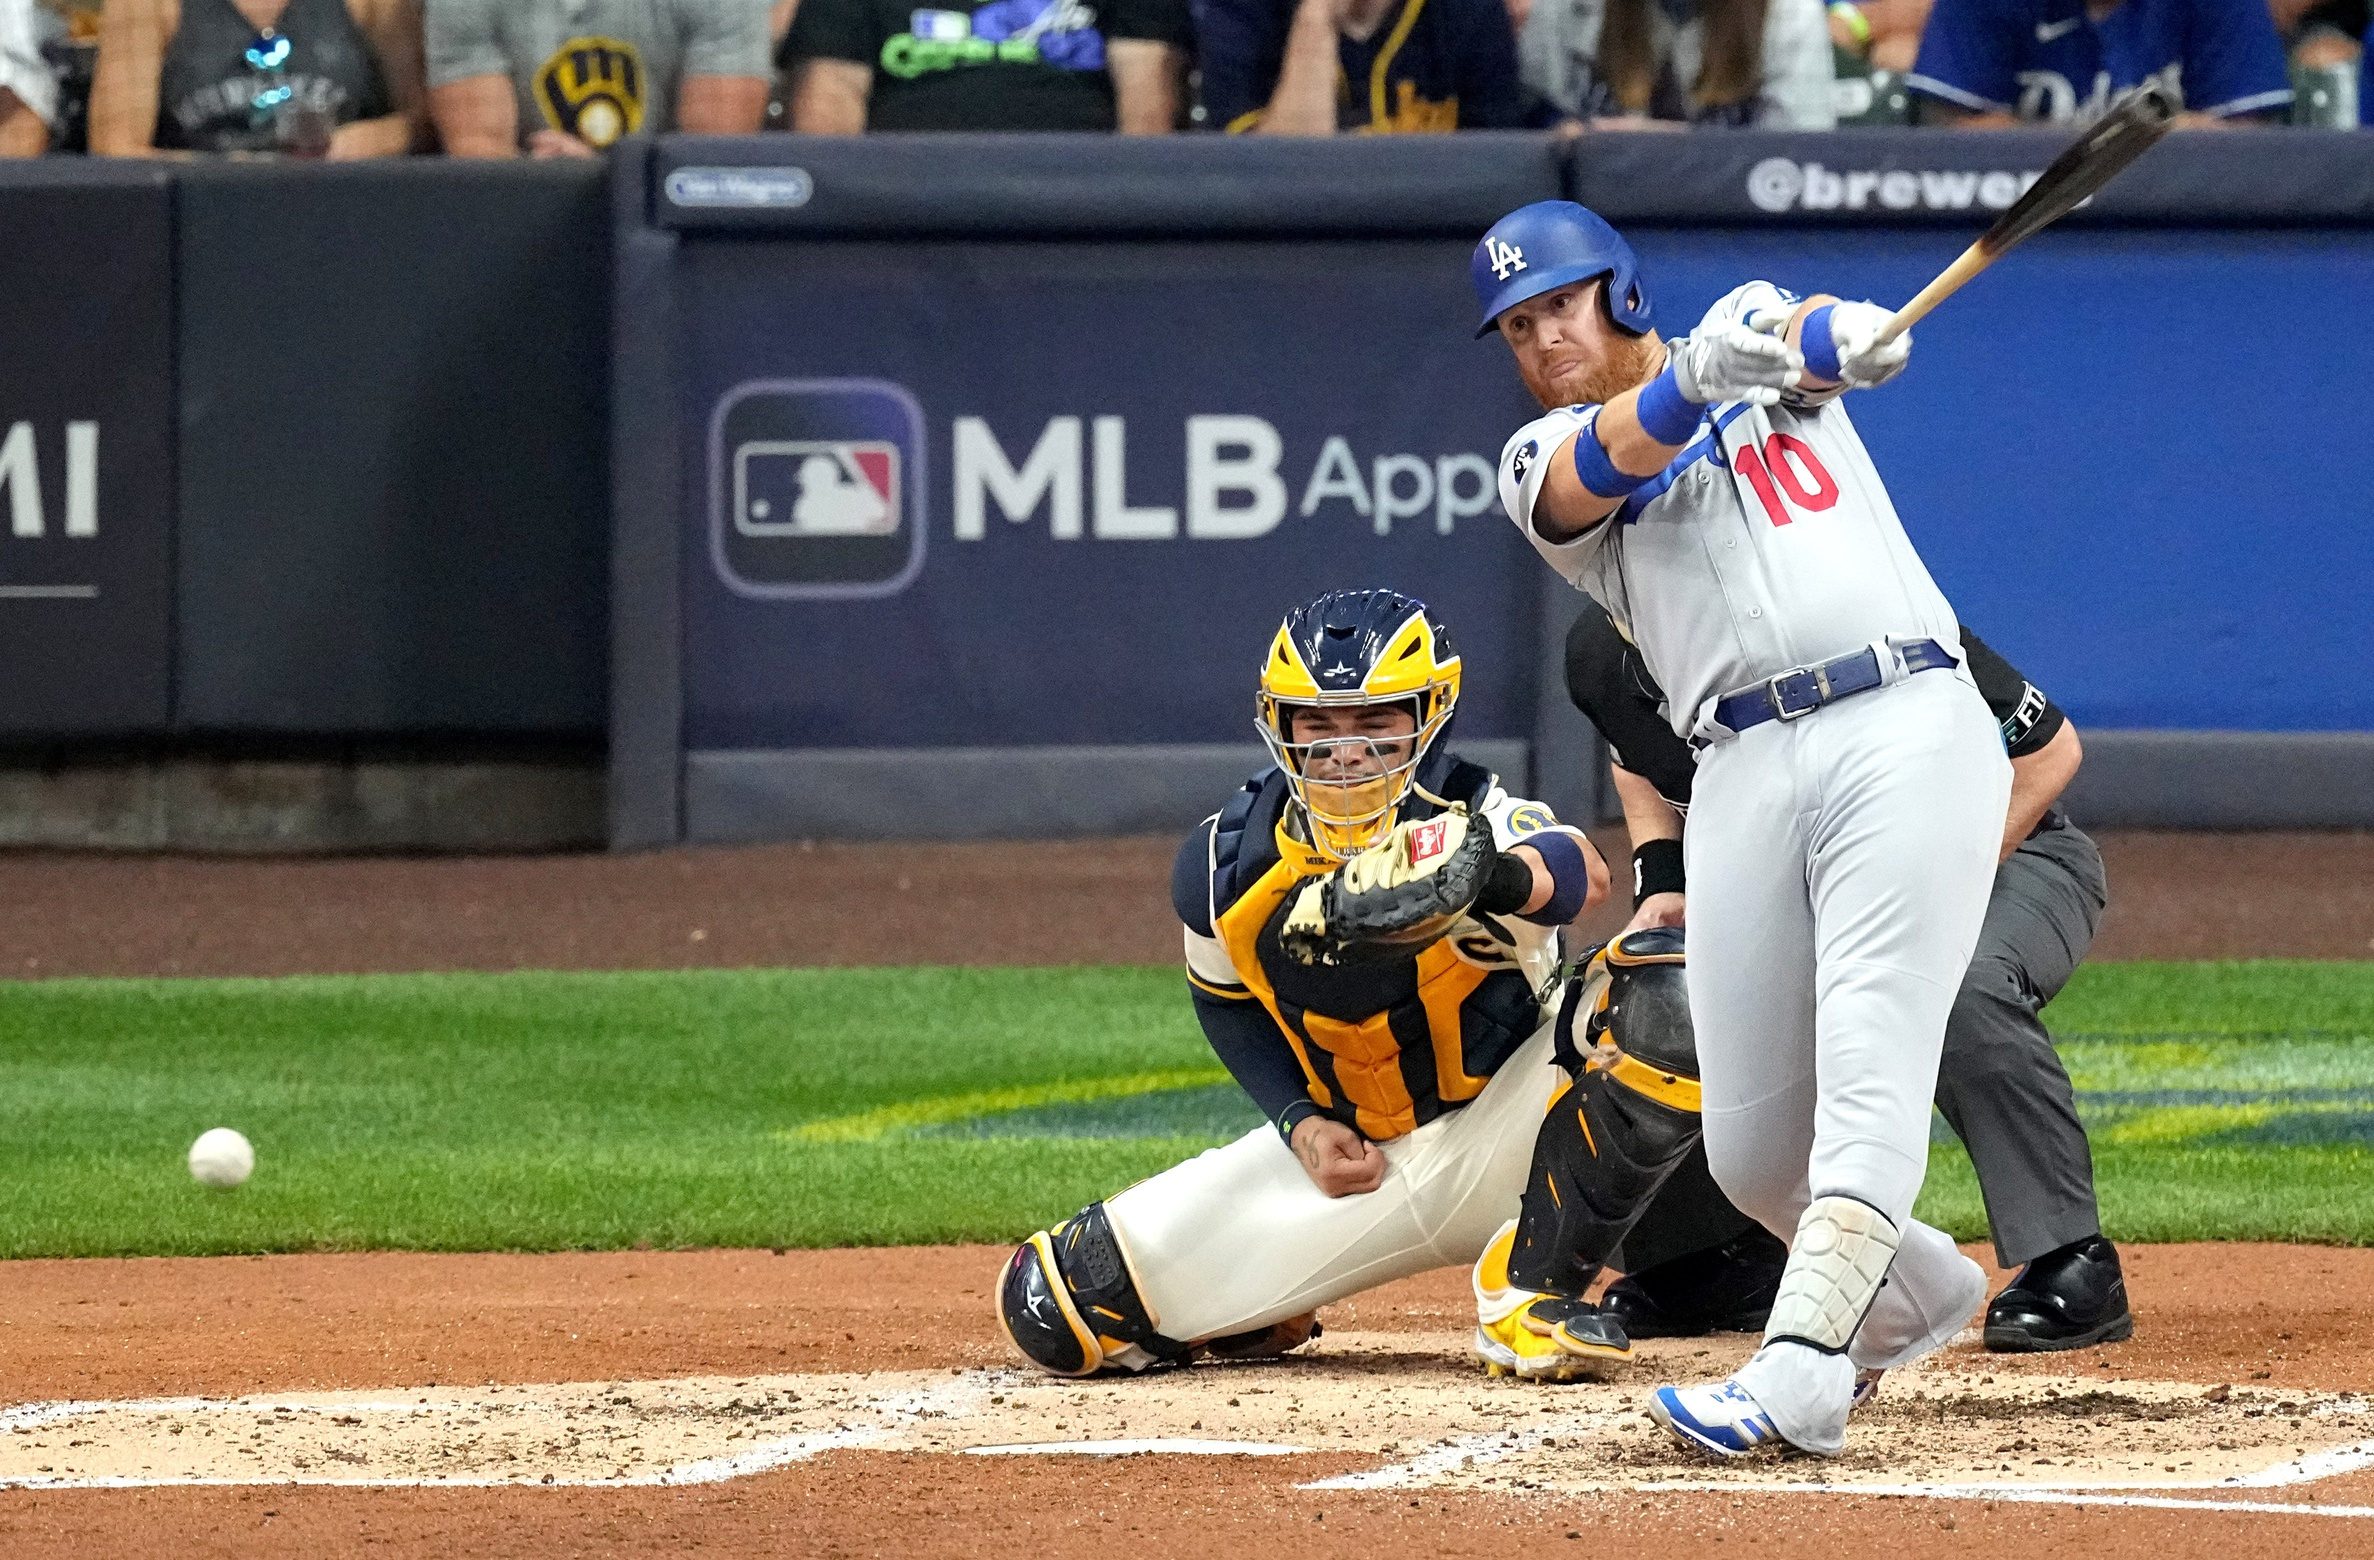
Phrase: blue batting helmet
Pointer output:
(1552, 244)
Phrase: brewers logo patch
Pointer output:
(1531, 818)
(593, 88)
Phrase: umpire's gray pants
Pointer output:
(2000, 1083)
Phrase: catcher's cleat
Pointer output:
(1538, 1337)
(1264, 1343)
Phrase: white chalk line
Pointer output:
(896, 1414)
(1174, 1445)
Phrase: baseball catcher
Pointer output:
(1373, 939)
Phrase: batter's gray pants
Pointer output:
(2000, 1083)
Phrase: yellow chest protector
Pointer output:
(1363, 1047)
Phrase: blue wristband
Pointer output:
(1597, 472)
(1665, 413)
(1814, 340)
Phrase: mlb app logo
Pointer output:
(817, 488)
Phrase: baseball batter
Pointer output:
(1851, 787)
(1373, 939)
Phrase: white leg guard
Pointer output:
(1802, 1377)
(1836, 1264)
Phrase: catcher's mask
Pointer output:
(1350, 649)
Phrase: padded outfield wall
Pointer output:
(429, 453)
(1109, 408)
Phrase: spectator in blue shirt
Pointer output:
(1314, 67)
(1995, 62)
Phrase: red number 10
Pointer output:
(1788, 465)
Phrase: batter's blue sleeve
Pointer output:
(1240, 47)
(1969, 55)
(2234, 62)
(1249, 1044)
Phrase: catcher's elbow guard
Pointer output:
(1068, 1302)
(1625, 1118)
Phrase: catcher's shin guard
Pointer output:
(1069, 1303)
(1622, 1121)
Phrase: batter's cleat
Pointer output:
(2072, 1298)
(1726, 1288)
(1866, 1388)
(1720, 1418)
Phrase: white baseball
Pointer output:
(222, 1158)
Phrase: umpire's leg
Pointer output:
(2000, 1083)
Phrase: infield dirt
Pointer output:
(2247, 1357)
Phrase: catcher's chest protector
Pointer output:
(1385, 1047)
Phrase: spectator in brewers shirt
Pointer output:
(1635, 63)
(987, 65)
(566, 78)
(28, 93)
(1316, 67)
(1997, 62)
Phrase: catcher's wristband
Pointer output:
(1507, 886)
(1657, 869)
(1294, 1115)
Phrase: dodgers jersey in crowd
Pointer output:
(2049, 60)
(1769, 543)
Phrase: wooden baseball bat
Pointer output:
(2133, 125)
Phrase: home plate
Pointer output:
(1381, 1410)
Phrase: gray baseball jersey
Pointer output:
(598, 69)
(1769, 542)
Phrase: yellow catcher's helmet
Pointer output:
(1348, 650)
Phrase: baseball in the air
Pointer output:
(222, 1158)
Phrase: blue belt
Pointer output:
(1798, 692)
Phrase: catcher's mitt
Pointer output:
(1394, 898)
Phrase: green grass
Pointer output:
(539, 1111)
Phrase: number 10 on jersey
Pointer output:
(1786, 472)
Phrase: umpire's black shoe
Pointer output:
(2065, 1299)
(1727, 1288)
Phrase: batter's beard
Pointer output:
(1626, 366)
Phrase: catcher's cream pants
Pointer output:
(1238, 1238)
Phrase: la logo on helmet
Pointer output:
(1507, 258)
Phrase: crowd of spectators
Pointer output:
(566, 78)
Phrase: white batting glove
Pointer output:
(1862, 362)
(1734, 362)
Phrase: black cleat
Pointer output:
(2067, 1299)
(1728, 1288)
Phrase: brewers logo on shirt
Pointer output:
(593, 88)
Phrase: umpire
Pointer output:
(1695, 1264)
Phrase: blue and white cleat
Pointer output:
(1720, 1418)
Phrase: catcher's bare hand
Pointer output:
(1339, 1161)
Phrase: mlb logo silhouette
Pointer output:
(812, 487)
(818, 488)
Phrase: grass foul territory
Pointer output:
(548, 1111)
